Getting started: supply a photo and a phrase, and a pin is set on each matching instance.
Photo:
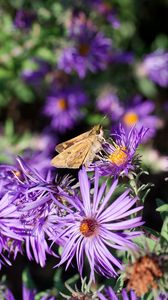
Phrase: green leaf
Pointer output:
(163, 208)
(146, 242)
(164, 230)
(9, 128)
(148, 296)
(27, 279)
(147, 87)
(58, 283)
(119, 283)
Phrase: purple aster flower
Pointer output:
(155, 66)
(95, 226)
(64, 107)
(109, 104)
(139, 114)
(109, 294)
(38, 202)
(91, 51)
(120, 153)
(35, 77)
(9, 226)
(24, 19)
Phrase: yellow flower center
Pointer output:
(88, 227)
(119, 156)
(83, 49)
(130, 118)
(62, 104)
(17, 173)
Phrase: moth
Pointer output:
(80, 150)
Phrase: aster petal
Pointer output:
(123, 212)
(114, 239)
(107, 197)
(123, 205)
(85, 191)
(89, 250)
(80, 254)
(106, 256)
(69, 248)
(98, 198)
(125, 224)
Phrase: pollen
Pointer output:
(83, 49)
(17, 173)
(62, 104)
(130, 118)
(143, 274)
(88, 227)
(119, 156)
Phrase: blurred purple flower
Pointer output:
(76, 22)
(155, 66)
(120, 155)
(35, 77)
(64, 107)
(39, 160)
(122, 57)
(162, 296)
(7, 295)
(46, 141)
(58, 80)
(27, 294)
(93, 227)
(139, 113)
(91, 51)
(108, 103)
(105, 9)
(24, 19)
(109, 294)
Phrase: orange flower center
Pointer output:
(17, 173)
(83, 49)
(88, 227)
(130, 118)
(62, 104)
(119, 156)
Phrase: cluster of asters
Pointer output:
(40, 214)
(89, 51)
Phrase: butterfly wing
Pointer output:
(67, 144)
(72, 157)
(95, 147)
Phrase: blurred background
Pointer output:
(68, 65)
